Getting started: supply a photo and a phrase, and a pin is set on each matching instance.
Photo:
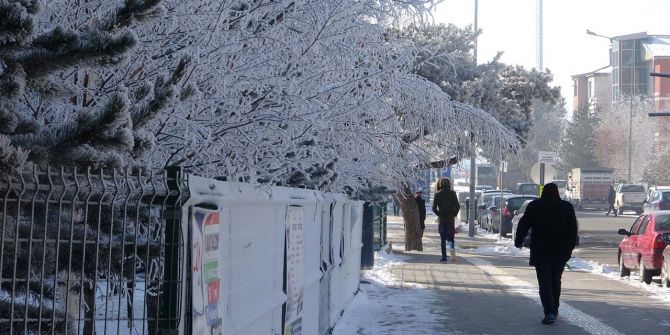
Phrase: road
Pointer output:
(598, 235)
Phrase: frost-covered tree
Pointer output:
(312, 93)
(505, 91)
(46, 119)
(292, 92)
(612, 151)
(545, 134)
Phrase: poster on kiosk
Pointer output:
(295, 276)
(206, 260)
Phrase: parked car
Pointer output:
(652, 189)
(482, 209)
(510, 204)
(630, 197)
(492, 212)
(665, 267)
(518, 214)
(527, 189)
(642, 246)
(658, 200)
(484, 188)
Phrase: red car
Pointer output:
(642, 247)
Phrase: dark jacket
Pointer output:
(446, 206)
(422, 210)
(554, 230)
(611, 197)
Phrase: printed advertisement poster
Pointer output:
(295, 276)
(207, 272)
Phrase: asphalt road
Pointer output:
(599, 241)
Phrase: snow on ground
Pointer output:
(656, 292)
(386, 306)
(501, 245)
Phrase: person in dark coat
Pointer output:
(421, 204)
(611, 197)
(396, 206)
(553, 237)
(446, 207)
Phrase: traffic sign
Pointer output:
(549, 157)
(535, 173)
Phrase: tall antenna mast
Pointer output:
(540, 37)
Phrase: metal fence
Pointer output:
(91, 253)
(379, 223)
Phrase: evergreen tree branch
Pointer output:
(131, 11)
(60, 49)
(16, 25)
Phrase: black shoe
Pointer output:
(549, 319)
(443, 260)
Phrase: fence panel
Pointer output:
(291, 258)
(86, 253)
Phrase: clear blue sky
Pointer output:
(509, 26)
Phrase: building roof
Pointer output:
(635, 36)
(605, 70)
(658, 45)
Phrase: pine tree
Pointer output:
(578, 144)
(105, 136)
(109, 135)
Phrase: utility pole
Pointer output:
(630, 139)
(473, 148)
(540, 36)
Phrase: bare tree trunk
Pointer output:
(410, 216)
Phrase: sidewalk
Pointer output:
(476, 302)
(491, 290)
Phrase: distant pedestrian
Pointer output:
(396, 206)
(421, 204)
(553, 237)
(611, 198)
(446, 207)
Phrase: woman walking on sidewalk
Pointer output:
(553, 237)
(446, 207)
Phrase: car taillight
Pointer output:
(658, 244)
(506, 213)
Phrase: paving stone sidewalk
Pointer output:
(475, 302)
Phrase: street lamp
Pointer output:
(590, 32)
(630, 116)
(473, 147)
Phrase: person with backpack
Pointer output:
(446, 207)
(553, 226)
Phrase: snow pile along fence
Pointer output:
(270, 260)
